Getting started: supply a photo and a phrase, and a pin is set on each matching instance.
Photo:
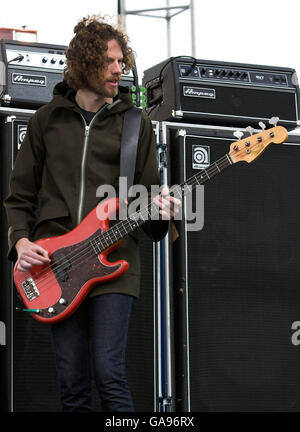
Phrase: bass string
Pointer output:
(85, 251)
(80, 254)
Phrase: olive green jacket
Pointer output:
(61, 164)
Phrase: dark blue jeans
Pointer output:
(95, 336)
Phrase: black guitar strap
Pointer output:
(129, 144)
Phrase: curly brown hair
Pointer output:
(86, 54)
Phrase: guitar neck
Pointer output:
(122, 228)
(247, 149)
(201, 177)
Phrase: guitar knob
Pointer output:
(62, 301)
(51, 310)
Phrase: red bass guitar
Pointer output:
(79, 258)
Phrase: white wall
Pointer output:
(258, 31)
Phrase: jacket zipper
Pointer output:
(83, 164)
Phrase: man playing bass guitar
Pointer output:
(72, 147)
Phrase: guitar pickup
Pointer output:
(61, 267)
(30, 289)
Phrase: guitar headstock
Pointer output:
(250, 148)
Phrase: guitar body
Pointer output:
(57, 289)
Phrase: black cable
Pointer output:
(173, 58)
(159, 98)
(136, 83)
(18, 58)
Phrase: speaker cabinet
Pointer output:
(237, 279)
(28, 372)
(13, 125)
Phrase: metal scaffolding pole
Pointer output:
(193, 35)
(168, 12)
(168, 21)
(121, 12)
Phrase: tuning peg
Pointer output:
(250, 130)
(274, 120)
(262, 125)
(238, 134)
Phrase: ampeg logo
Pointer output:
(22, 129)
(201, 157)
(199, 92)
(32, 80)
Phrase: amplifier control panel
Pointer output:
(28, 72)
(239, 76)
(32, 56)
(50, 59)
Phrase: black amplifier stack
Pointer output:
(229, 289)
(234, 281)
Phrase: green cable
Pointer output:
(31, 310)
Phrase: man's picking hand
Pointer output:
(30, 254)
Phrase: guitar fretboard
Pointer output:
(122, 228)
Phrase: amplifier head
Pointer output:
(30, 71)
(210, 92)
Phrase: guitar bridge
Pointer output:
(30, 289)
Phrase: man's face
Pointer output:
(107, 81)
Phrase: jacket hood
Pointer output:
(63, 95)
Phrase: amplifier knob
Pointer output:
(45, 59)
(61, 62)
(53, 61)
